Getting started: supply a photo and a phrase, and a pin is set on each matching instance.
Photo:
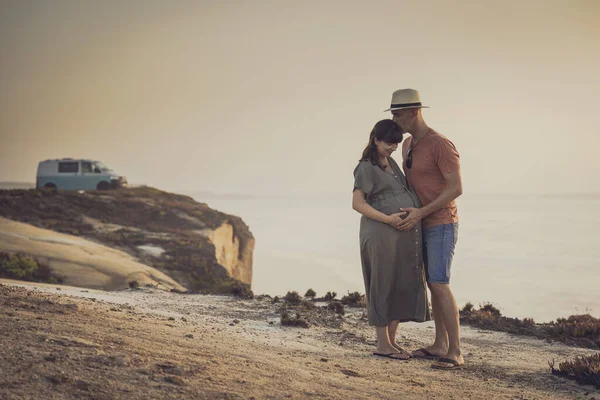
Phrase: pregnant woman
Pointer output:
(392, 260)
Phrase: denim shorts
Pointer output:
(438, 250)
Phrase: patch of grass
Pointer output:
(585, 369)
(25, 268)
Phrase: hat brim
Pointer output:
(404, 108)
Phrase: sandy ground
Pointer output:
(81, 262)
(62, 342)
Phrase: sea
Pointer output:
(534, 256)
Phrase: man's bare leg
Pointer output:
(448, 311)
(440, 345)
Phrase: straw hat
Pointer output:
(405, 98)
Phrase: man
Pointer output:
(432, 168)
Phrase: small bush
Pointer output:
(310, 293)
(292, 298)
(298, 320)
(133, 284)
(467, 309)
(354, 299)
(275, 299)
(307, 305)
(242, 291)
(263, 296)
(330, 296)
(490, 308)
(21, 267)
(336, 307)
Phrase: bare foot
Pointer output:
(456, 357)
(449, 363)
(391, 352)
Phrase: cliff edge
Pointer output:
(197, 247)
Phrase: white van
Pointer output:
(77, 174)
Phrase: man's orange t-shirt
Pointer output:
(432, 156)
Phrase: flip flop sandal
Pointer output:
(427, 354)
(393, 356)
(453, 364)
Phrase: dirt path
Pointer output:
(86, 344)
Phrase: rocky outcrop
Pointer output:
(232, 252)
(78, 261)
(199, 248)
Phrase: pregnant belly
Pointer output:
(393, 205)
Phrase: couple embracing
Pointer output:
(408, 230)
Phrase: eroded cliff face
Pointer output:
(233, 252)
(200, 248)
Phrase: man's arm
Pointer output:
(452, 191)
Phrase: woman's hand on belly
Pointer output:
(396, 219)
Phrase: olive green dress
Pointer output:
(392, 260)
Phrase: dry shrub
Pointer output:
(336, 307)
(298, 320)
(585, 369)
(292, 298)
(580, 330)
(354, 299)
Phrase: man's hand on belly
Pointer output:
(413, 218)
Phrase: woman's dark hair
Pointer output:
(385, 130)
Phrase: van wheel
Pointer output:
(103, 186)
(50, 186)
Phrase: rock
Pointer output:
(324, 360)
(58, 379)
(82, 385)
(349, 372)
(174, 380)
(72, 307)
(189, 336)
(169, 368)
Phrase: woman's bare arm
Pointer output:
(360, 205)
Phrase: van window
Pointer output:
(86, 166)
(68, 166)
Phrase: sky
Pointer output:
(279, 97)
